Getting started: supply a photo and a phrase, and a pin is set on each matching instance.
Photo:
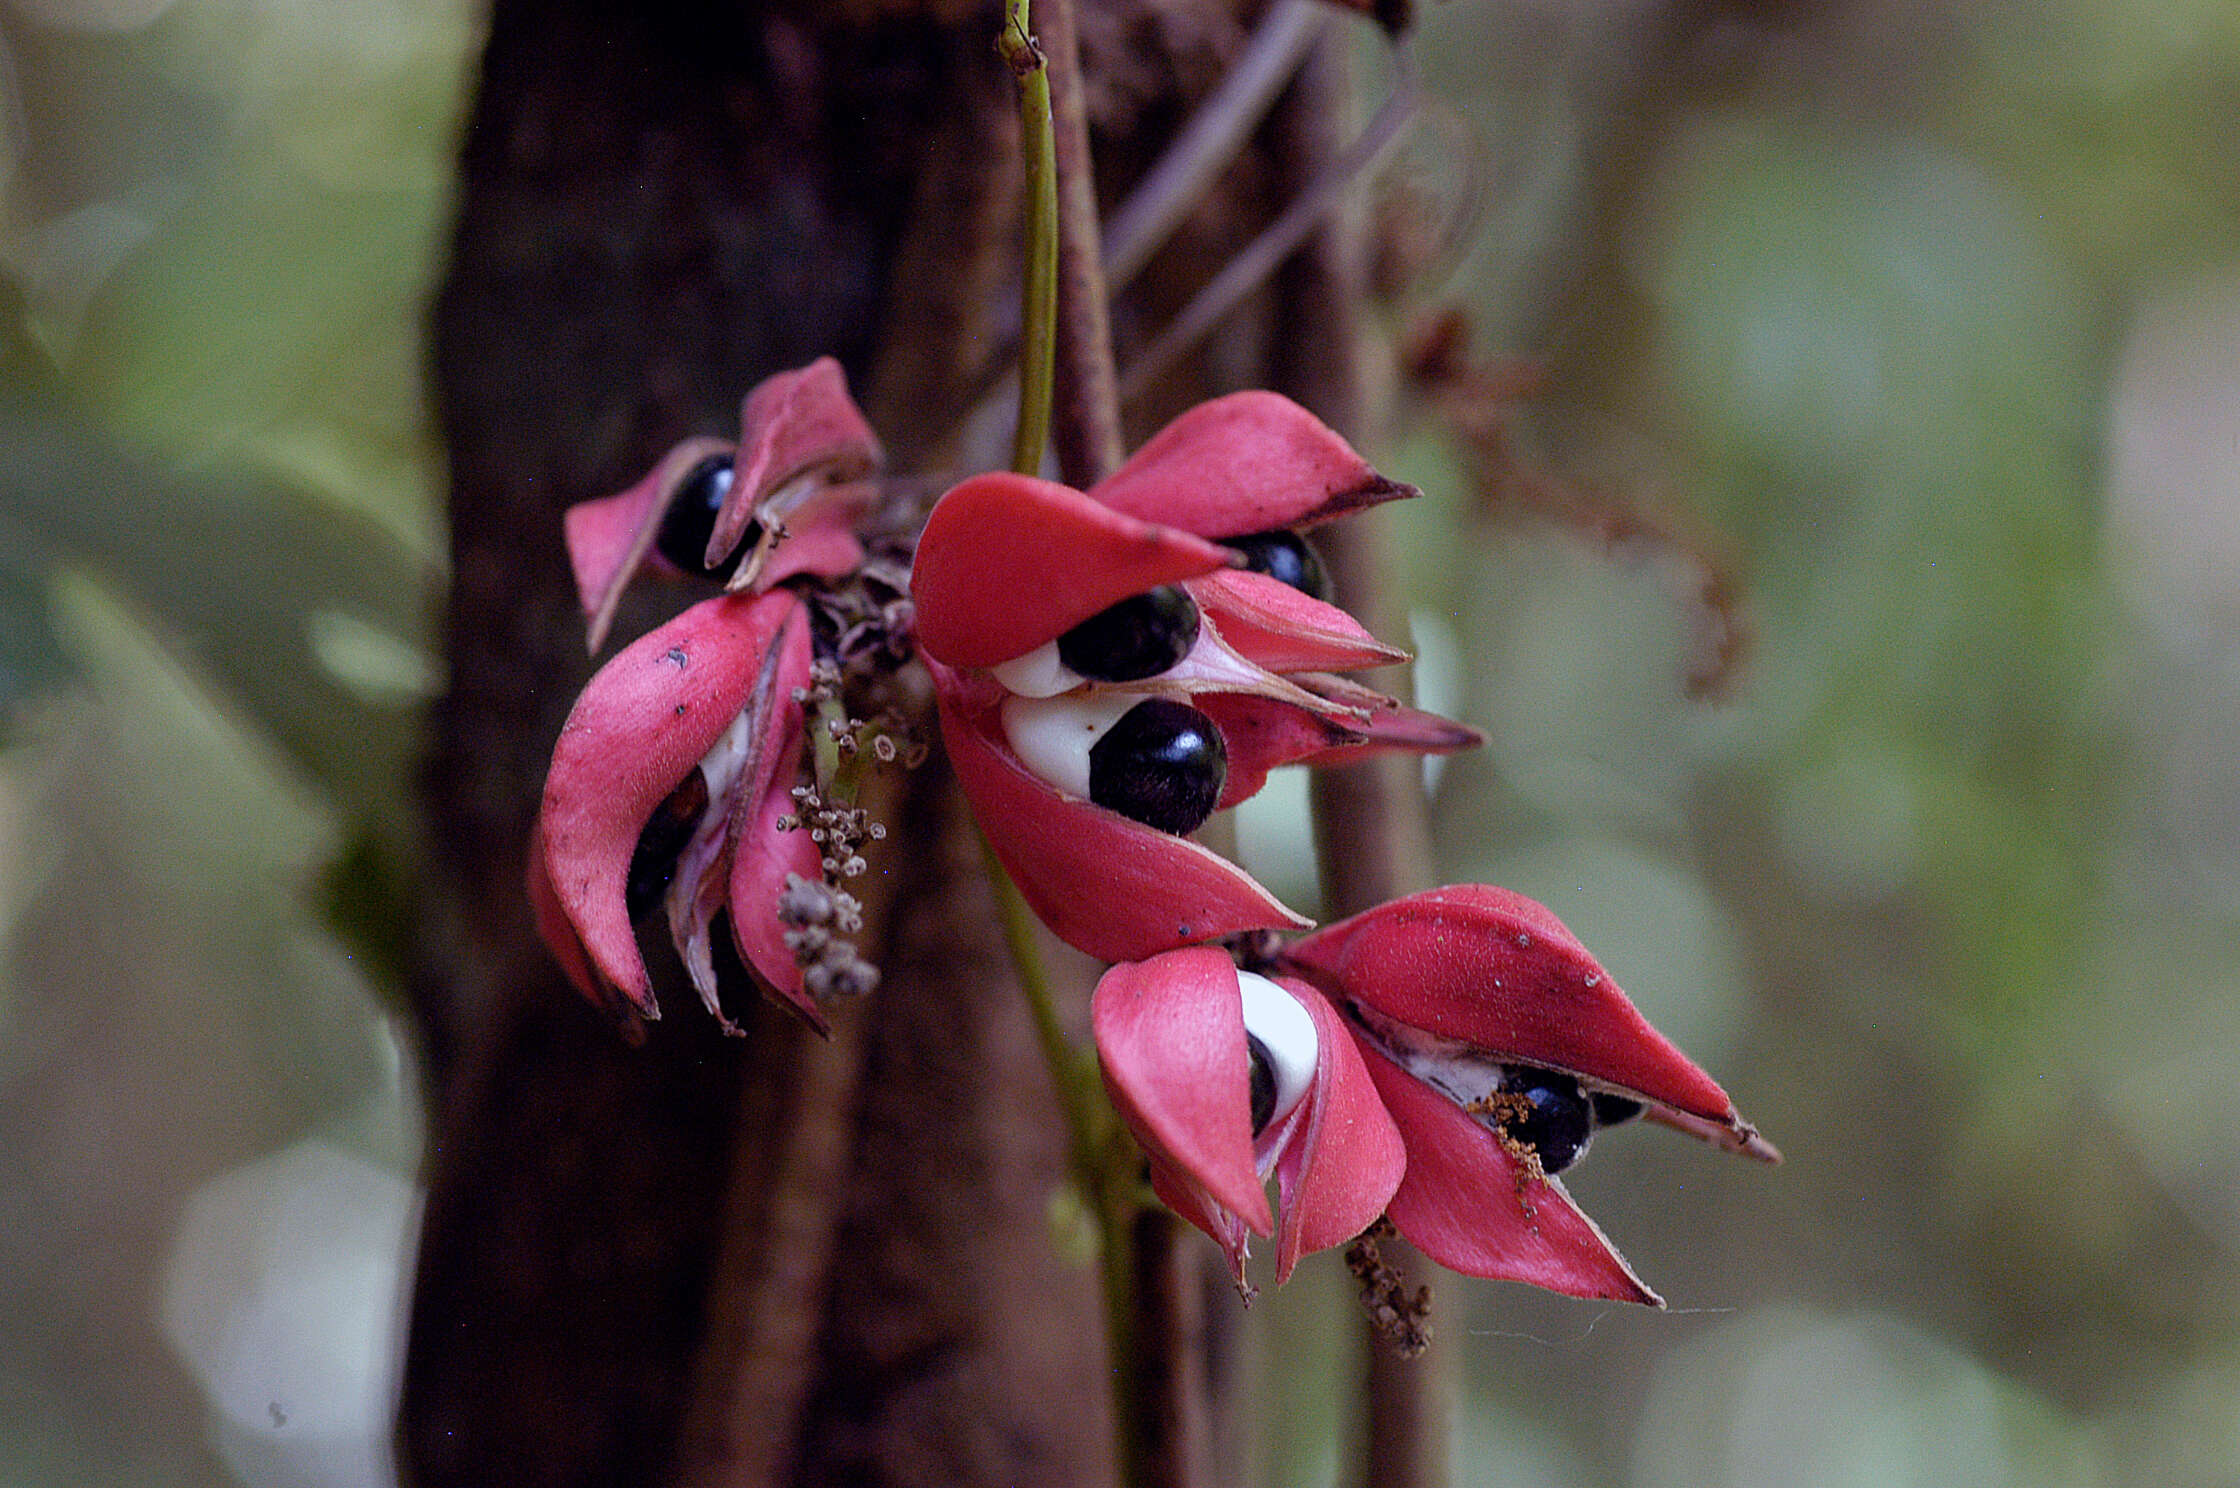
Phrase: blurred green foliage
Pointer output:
(219, 562)
(1909, 317)
(1850, 300)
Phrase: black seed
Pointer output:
(654, 861)
(691, 519)
(1283, 554)
(1139, 637)
(1613, 1110)
(1560, 1121)
(1163, 764)
(1263, 1084)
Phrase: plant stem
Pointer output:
(1083, 1124)
(1104, 1169)
(827, 722)
(1039, 281)
(1103, 1159)
(1281, 238)
(1155, 1393)
(1186, 172)
(1087, 430)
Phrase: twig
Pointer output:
(1039, 287)
(1148, 1308)
(1146, 1314)
(1210, 141)
(782, 1210)
(782, 1203)
(1181, 177)
(1086, 431)
(1066, 332)
(1266, 253)
(1168, 1310)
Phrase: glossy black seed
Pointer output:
(654, 861)
(1163, 764)
(691, 519)
(1139, 637)
(1561, 1120)
(1284, 554)
(1263, 1084)
(1613, 1110)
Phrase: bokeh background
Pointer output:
(1914, 327)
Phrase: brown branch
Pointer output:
(1085, 424)
(758, 1357)
(1209, 144)
(1167, 1400)
(1170, 1322)
(789, 1180)
(1371, 834)
(1312, 202)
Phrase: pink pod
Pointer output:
(714, 690)
(1008, 562)
(1172, 1042)
(1472, 1205)
(797, 480)
(1108, 886)
(1494, 970)
(1249, 462)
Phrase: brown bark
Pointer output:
(1085, 432)
(659, 205)
(769, 1259)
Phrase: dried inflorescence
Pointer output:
(821, 922)
(1401, 1317)
(1476, 401)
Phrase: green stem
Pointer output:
(1084, 1120)
(1116, 1260)
(834, 778)
(1039, 281)
(1102, 1157)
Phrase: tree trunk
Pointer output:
(777, 1258)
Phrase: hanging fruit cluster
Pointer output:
(1111, 667)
